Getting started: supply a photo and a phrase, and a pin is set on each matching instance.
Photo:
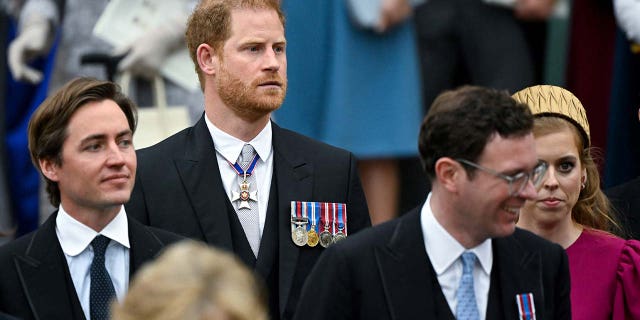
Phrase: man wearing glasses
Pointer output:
(459, 255)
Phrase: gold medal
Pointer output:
(312, 237)
(312, 234)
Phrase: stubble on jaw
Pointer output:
(246, 100)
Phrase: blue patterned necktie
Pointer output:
(467, 308)
(101, 290)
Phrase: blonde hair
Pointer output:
(191, 280)
(593, 208)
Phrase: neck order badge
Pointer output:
(244, 195)
(246, 200)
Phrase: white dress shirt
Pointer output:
(75, 239)
(444, 252)
(228, 149)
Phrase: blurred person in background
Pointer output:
(355, 84)
(193, 281)
(17, 107)
(51, 36)
(623, 156)
(481, 42)
(492, 43)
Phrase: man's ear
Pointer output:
(448, 173)
(208, 60)
(49, 169)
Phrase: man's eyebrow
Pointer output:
(102, 136)
(124, 133)
(98, 136)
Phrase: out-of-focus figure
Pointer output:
(62, 31)
(356, 87)
(193, 281)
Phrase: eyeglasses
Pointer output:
(518, 181)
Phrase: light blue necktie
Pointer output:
(467, 308)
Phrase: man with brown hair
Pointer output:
(231, 179)
(460, 255)
(82, 257)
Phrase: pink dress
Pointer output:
(605, 277)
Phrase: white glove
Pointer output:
(628, 16)
(145, 56)
(35, 40)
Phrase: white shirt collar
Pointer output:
(75, 237)
(230, 147)
(443, 248)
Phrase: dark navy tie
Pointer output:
(101, 290)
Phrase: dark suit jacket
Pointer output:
(626, 200)
(4, 316)
(385, 273)
(179, 188)
(35, 282)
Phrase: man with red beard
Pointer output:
(235, 179)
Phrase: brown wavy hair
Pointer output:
(47, 129)
(593, 209)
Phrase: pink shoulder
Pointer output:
(628, 291)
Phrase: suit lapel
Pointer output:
(410, 284)
(45, 276)
(200, 174)
(269, 242)
(519, 272)
(294, 182)
(144, 246)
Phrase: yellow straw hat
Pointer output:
(546, 101)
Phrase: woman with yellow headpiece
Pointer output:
(571, 210)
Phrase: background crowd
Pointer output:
(357, 87)
(358, 84)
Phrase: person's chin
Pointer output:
(506, 230)
(268, 104)
(117, 197)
